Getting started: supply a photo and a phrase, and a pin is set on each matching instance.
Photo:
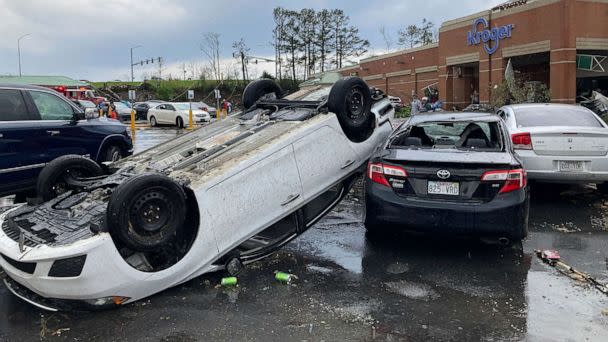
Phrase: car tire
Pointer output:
(146, 212)
(179, 122)
(153, 122)
(257, 89)
(350, 99)
(112, 153)
(51, 181)
(602, 187)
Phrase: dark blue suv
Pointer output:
(38, 125)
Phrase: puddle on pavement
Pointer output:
(147, 138)
(412, 290)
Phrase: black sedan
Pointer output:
(448, 174)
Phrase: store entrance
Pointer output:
(465, 85)
(591, 73)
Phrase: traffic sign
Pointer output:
(131, 94)
(190, 94)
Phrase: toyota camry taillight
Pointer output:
(377, 172)
(514, 179)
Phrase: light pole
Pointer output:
(19, 50)
(134, 47)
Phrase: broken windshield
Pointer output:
(466, 135)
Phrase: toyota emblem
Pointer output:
(443, 174)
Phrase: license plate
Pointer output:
(571, 166)
(443, 188)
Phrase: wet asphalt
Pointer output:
(352, 287)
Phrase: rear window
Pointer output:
(462, 135)
(530, 117)
(12, 106)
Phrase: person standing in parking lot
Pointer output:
(415, 105)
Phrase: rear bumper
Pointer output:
(505, 216)
(546, 168)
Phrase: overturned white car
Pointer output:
(217, 198)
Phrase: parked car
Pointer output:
(123, 111)
(217, 198)
(205, 107)
(559, 142)
(448, 174)
(141, 109)
(396, 101)
(37, 125)
(176, 113)
(84, 104)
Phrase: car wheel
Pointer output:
(179, 122)
(112, 153)
(54, 177)
(257, 89)
(146, 212)
(351, 101)
(602, 187)
(153, 122)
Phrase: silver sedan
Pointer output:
(559, 143)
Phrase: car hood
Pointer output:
(448, 156)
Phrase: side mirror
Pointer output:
(91, 113)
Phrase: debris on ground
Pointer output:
(229, 281)
(283, 277)
(552, 258)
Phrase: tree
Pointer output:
(291, 43)
(265, 74)
(325, 35)
(240, 52)
(388, 41)
(307, 41)
(414, 35)
(408, 36)
(425, 35)
(211, 49)
(278, 35)
(307, 37)
(347, 42)
(183, 69)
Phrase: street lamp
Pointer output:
(19, 50)
(134, 47)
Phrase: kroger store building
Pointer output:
(562, 43)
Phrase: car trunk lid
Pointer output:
(447, 176)
(569, 141)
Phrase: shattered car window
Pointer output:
(467, 135)
(317, 94)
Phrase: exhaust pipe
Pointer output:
(503, 241)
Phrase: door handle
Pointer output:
(53, 132)
(290, 199)
(347, 164)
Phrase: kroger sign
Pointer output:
(495, 34)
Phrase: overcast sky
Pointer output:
(90, 39)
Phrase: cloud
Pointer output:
(90, 39)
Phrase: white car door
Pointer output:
(321, 156)
(158, 113)
(169, 114)
(253, 199)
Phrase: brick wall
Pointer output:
(556, 27)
